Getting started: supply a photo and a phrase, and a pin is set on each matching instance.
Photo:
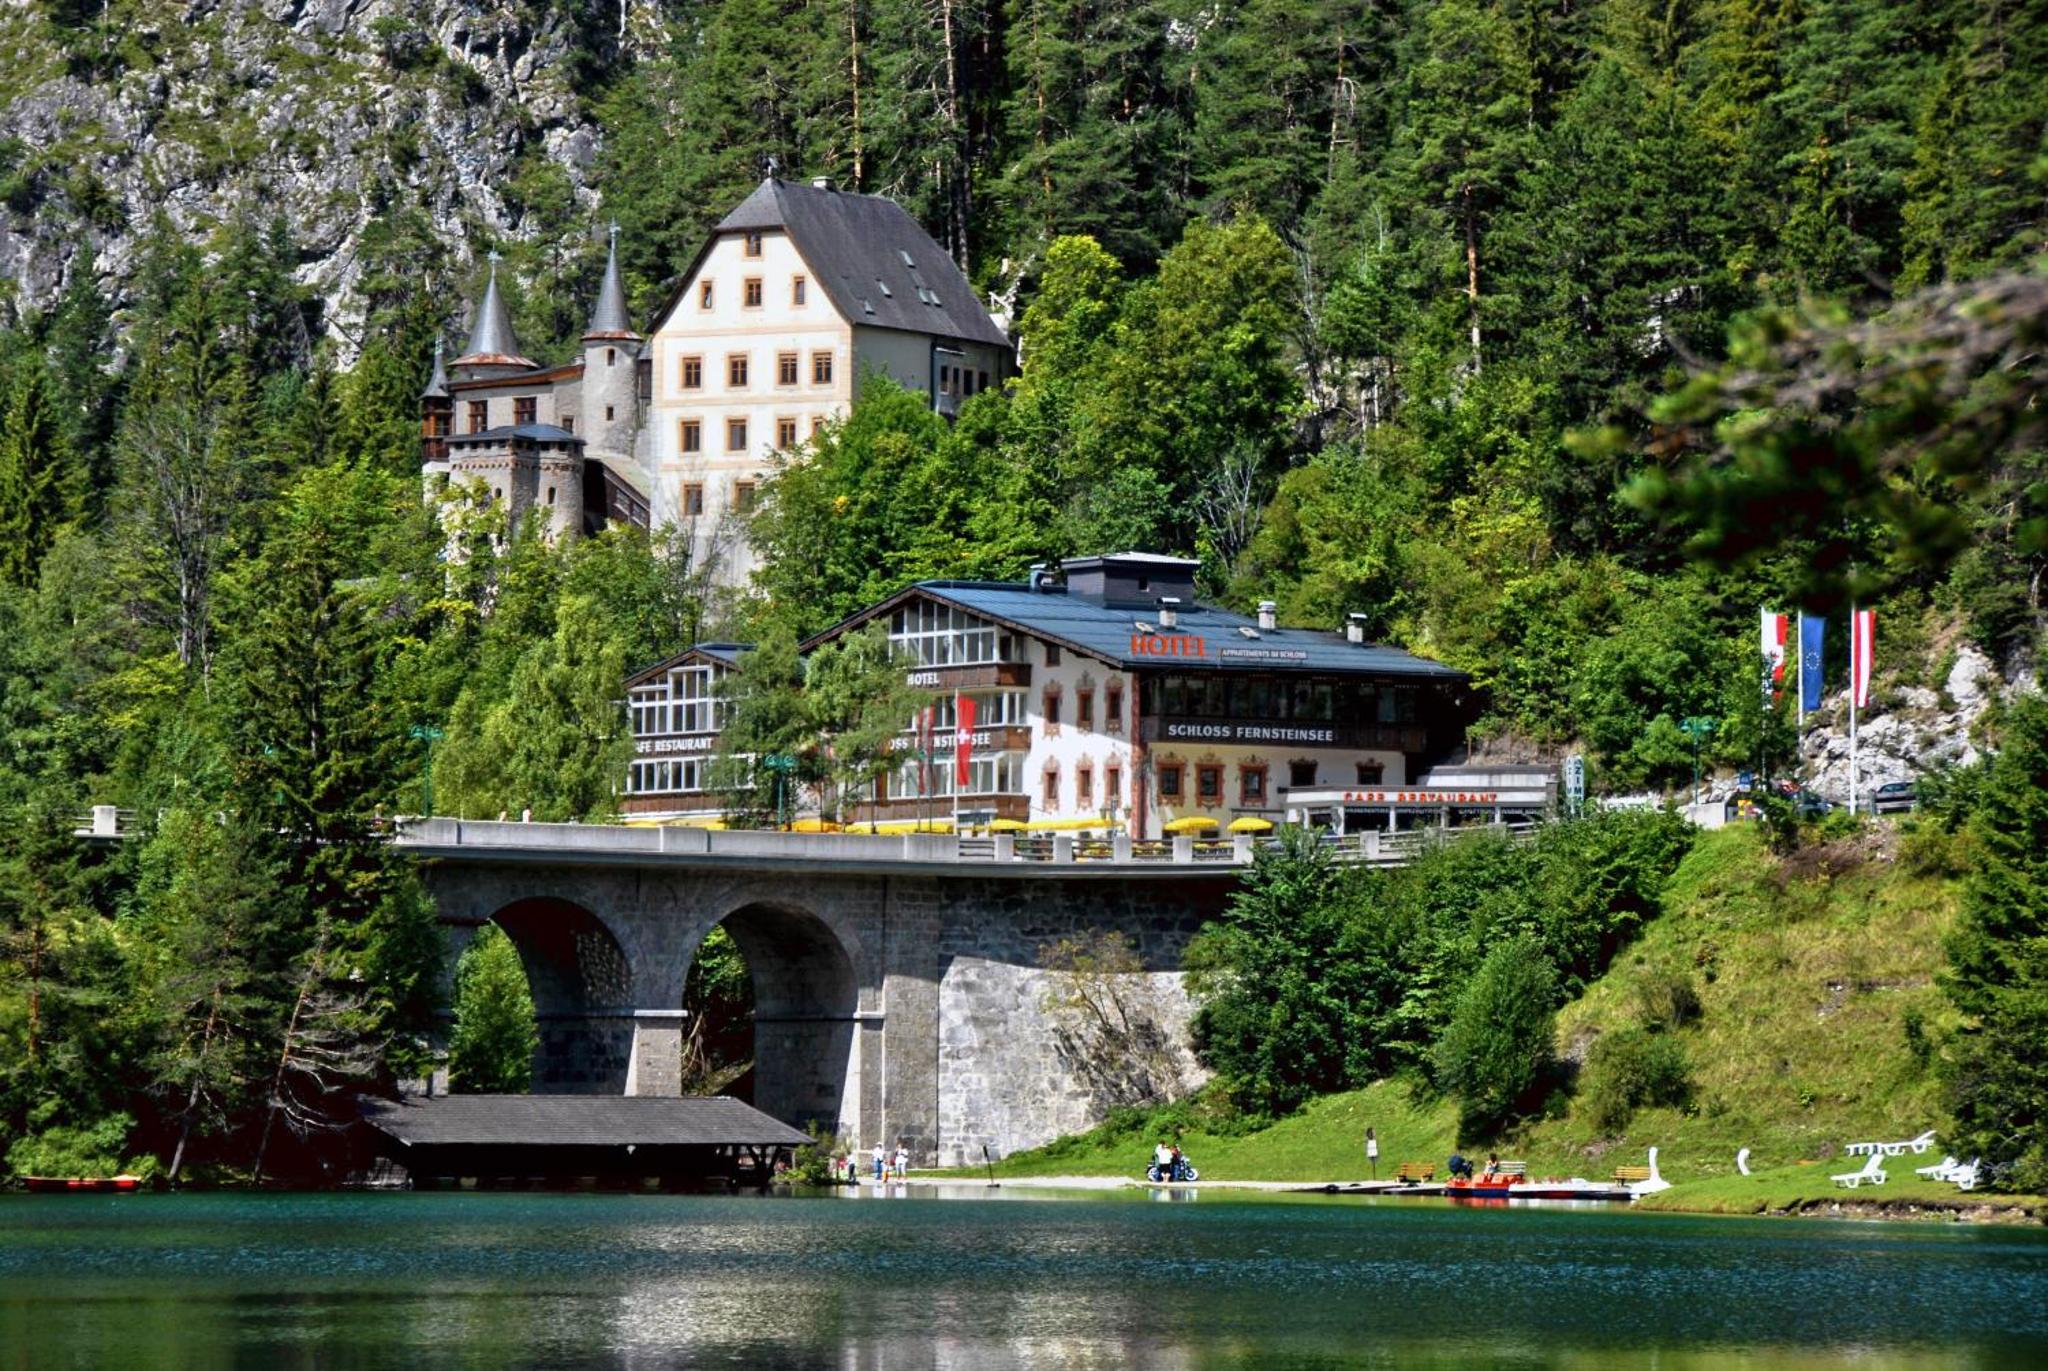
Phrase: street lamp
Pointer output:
(1697, 728)
(429, 735)
(780, 765)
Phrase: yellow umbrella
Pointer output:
(1251, 823)
(1193, 823)
(814, 826)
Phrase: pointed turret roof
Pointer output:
(437, 384)
(611, 319)
(490, 337)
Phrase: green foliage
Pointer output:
(1630, 1070)
(490, 1051)
(97, 1149)
(1495, 1054)
(1998, 1071)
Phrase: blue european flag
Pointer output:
(1812, 630)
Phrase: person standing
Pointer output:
(881, 1164)
(902, 1161)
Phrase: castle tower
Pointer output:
(437, 421)
(492, 351)
(611, 352)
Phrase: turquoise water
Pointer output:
(1020, 1279)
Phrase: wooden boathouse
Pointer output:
(564, 1140)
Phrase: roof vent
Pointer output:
(867, 305)
(1354, 628)
(883, 286)
(906, 259)
(1169, 611)
(1268, 619)
(1040, 579)
(822, 183)
(1142, 626)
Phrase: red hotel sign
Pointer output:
(1169, 645)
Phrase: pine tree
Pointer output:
(491, 1049)
(39, 487)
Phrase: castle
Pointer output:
(798, 295)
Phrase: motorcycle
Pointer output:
(1180, 1173)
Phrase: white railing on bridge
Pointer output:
(440, 837)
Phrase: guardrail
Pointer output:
(616, 843)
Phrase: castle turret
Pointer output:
(437, 420)
(492, 350)
(611, 352)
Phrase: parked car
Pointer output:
(1894, 797)
(1807, 805)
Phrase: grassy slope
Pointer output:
(1806, 972)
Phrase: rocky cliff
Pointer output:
(333, 114)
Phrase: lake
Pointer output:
(988, 1279)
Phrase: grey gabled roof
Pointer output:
(858, 244)
(727, 654)
(536, 433)
(577, 1121)
(490, 335)
(1229, 641)
(610, 319)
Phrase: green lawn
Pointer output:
(1791, 1188)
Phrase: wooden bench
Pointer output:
(1631, 1175)
(1414, 1173)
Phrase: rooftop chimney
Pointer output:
(1169, 610)
(1354, 627)
(821, 182)
(1039, 579)
(1268, 619)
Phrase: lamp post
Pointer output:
(1697, 728)
(780, 765)
(429, 735)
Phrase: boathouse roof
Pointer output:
(577, 1121)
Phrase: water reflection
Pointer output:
(995, 1279)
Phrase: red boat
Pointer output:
(71, 1185)
(1520, 1187)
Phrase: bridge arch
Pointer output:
(806, 1005)
(581, 980)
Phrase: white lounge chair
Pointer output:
(1966, 1175)
(1922, 1143)
(1863, 1149)
(1873, 1172)
(1742, 1161)
(1941, 1171)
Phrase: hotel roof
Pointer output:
(1221, 639)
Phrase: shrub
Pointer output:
(1630, 1070)
(1496, 1053)
(1667, 1000)
(91, 1150)
(491, 1050)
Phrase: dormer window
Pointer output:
(753, 242)
(523, 410)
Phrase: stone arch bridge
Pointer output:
(897, 980)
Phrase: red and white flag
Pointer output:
(1774, 629)
(963, 738)
(1862, 648)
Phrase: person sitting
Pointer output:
(1459, 1165)
(1492, 1166)
(1162, 1162)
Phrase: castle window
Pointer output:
(523, 410)
(1113, 709)
(750, 293)
(821, 368)
(568, 423)
(1113, 787)
(1301, 773)
(611, 356)
(1209, 785)
(1052, 785)
(479, 415)
(817, 424)
(736, 371)
(703, 295)
(551, 494)
(1084, 710)
(693, 500)
(1371, 773)
(796, 290)
(1251, 786)
(742, 496)
(1084, 786)
(785, 368)
(785, 433)
(735, 435)
(753, 243)
(693, 373)
(690, 436)
(607, 413)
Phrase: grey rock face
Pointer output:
(322, 111)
